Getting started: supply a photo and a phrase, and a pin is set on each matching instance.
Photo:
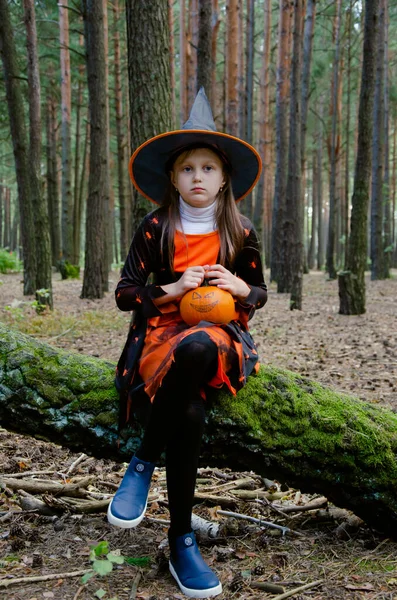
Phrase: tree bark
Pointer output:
(378, 155)
(121, 141)
(66, 109)
(334, 149)
(52, 173)
(204, 54)
(77, 206)
(19, 141)
(39, 204)
(280, 425)
(291, 272)
(263, 202)
(387, 214)
(150, 89)
(183, 64)
(351, 282)
(191, 49)
(232, 68)
(95, 269)
(282, 96)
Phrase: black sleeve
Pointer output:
(132, 291)
(248, 266)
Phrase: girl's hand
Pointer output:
(225, 280)
(192, 278)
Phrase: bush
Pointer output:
(9, 263)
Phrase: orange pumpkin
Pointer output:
(207, 303)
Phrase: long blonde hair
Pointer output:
(227, 215)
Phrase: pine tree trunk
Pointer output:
(232, 68)
(214, 44)
(334, 154)
(52, 172)
(319, 186)
(378, 156)
(204, 55)
(183, 63)
(95, 269)
(77, 208)
(282, 98)
(148, 43)
(348, 112)
(241, 73)
(172, 61)
(263, 204)
(121, 142)
(7, 218)
(279, 425)
(19, 142)
(40, 208)
(352, 282)
(312, 245)
(291, 272)
(387, 219)
(66, 108)
(306, 66)
(191, 48)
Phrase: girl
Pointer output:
(196, 174)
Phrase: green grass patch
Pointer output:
(9, 263)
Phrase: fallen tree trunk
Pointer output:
(280, 425)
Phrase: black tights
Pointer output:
(176, 424)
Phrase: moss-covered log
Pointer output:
(280, 425)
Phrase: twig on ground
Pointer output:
(314, 504)
(298, 589)
(77, 594)
(217, 500)
(76, 463)
(30, 473)
(7, 582)
(134, 588)
(267, 587)
(260, 522)
(52, 487)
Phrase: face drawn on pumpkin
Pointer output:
(201, 307)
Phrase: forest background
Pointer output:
(85, 83)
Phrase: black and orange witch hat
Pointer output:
(148, 165)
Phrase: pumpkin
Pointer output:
(207, 303)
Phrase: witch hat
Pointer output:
(149, 164)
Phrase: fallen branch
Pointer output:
(217, 500)
(76, 463)
(246, 483)
(49, 487)
(312, 505)
(7, 582)
(298, 589)
(267, 587)
(134, 588)
(260, 522)
(30, 473)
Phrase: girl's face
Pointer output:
(198, 175)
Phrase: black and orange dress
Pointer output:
(155, 331)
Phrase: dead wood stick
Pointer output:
(30, 473)
(75, 463)
(52, 487)
(49, 577)
(298, 589)
(267, 587)
(253, 494)
(261, 522)
(134, 588)
(237, 484)
(114, 486)
(222, 500)
(314, 504)
(78, 506)
(30, 503)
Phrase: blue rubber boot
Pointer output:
(187, 566)
(128, 505)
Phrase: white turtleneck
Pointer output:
(197, 219)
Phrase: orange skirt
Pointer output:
(163, 336)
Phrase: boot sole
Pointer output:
(124, 523)
(208, 593)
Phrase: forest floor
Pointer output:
(351, 354)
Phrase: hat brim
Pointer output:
(147, 166)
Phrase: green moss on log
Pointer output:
(280, 425)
